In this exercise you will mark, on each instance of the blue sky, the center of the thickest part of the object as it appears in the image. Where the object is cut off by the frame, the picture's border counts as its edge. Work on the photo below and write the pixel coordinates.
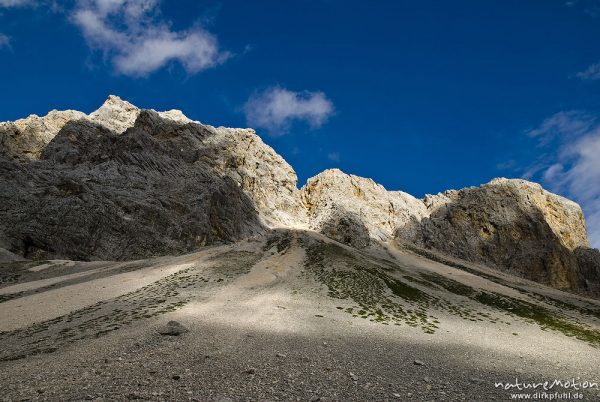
(421, 96)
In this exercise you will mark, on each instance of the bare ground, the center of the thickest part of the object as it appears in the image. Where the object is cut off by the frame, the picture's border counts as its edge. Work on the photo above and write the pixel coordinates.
(288, 316)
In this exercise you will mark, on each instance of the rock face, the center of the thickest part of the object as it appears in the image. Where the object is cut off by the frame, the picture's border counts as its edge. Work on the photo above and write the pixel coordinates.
(380, 211)
(514, 225)
(261, 173)
(344, 226)
(27, 138)
(123, 183)
(164, 185)
(588, 264)
(97, 195)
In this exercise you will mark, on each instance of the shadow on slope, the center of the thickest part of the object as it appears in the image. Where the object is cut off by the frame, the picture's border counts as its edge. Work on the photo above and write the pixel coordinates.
(501, 228)
(366, 285)
(96, 195)
(388, 293)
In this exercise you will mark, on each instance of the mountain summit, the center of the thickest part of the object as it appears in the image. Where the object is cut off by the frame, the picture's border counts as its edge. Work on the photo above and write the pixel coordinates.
(147, 256)
(124, 183)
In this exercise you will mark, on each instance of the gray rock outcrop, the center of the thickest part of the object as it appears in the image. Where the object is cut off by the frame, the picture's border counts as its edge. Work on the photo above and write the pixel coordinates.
(379, 210)
(344, 226)
(26, 138)
(124, 183)
(173, 328)
(98, 195)
(164, 185)
(588, 268)
(514, 225)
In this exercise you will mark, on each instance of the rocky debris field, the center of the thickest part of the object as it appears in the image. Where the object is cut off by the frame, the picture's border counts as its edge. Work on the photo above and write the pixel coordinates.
(289, 315)
(146, 256)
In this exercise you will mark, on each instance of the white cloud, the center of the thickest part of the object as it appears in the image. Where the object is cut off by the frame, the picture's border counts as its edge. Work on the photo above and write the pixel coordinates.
(132, 35)
(334, 156)
(561, 125)
(4, 41)
(276, 108)
(590, 73)
(573, 169)
(16, 3)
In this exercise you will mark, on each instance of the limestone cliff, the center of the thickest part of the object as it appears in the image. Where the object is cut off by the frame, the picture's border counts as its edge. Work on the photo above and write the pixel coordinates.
(26, 138)
(380, 211)
(514, 225)
(123, 183)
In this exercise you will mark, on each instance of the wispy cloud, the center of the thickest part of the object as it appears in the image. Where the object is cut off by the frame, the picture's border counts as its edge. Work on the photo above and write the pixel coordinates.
(572, 123)
(334, 156)
(133, 36)
(276, 108)
(590, 73)
(590, 7)
(16, 3)
(4, 41)
(572, 166)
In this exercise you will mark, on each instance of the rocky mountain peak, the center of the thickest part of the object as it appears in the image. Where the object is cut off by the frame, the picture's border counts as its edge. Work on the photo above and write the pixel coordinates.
(115, 114)
(26, 138)
(128, 183)
(380, 211)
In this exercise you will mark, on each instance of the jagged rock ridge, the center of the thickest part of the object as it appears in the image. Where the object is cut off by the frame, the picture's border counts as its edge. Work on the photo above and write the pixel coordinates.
(123, 183)
(164, 185)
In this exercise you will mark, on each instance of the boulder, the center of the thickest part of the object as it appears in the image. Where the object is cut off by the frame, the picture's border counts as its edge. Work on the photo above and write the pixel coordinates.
(173, 328)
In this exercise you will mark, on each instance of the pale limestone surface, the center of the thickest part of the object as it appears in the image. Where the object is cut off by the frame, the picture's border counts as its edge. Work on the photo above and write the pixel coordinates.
(381, 211)
(514, 225)
(157, 182)
(290, 315)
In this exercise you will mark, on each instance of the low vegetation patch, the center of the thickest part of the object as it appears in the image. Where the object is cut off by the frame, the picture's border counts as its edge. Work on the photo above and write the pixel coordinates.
(382, 298)
(379, 297)
(163, 296)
